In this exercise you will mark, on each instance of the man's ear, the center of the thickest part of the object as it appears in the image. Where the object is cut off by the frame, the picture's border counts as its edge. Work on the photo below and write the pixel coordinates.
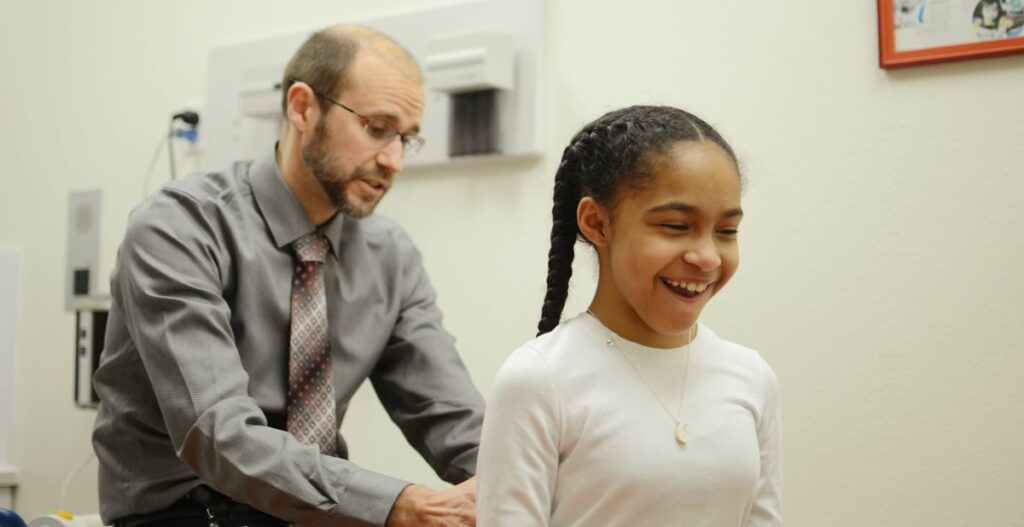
(593, 220)
(301, 107)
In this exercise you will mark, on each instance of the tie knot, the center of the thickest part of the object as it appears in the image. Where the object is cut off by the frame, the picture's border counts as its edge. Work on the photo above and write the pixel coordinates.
(311, 248)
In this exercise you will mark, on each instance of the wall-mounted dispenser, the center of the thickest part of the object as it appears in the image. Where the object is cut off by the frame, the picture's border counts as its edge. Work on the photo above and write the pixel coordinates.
(473, 69)
(501, 40)
(90, 332)
(82, 291)
(81, 272)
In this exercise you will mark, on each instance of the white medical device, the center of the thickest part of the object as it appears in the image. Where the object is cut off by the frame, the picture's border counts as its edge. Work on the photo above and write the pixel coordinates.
(483, 62)
(66, 520)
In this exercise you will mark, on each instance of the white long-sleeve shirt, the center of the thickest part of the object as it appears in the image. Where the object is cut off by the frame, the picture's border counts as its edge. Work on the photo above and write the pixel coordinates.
(574, 437)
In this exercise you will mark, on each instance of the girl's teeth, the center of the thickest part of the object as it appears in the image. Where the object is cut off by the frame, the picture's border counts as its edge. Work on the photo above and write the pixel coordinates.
(691, 287)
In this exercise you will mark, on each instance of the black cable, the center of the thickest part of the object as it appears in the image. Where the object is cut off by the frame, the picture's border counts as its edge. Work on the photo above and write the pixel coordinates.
(152, 165)
(188, 117)
(191, 119)
(170, 150)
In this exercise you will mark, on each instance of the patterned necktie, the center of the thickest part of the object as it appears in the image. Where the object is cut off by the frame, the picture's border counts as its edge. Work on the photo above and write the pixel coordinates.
(310, 386)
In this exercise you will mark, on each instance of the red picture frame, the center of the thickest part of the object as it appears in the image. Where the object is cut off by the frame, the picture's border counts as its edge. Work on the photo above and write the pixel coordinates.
(910, 35)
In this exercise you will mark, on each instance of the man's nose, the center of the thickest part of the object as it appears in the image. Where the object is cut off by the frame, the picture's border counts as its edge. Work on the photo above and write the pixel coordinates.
(391, 155)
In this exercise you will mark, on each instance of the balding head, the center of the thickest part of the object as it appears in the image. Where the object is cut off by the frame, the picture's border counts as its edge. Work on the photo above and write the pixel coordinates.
(324, 59)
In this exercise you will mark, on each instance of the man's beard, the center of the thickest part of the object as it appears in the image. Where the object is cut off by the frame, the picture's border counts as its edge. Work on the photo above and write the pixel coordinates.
(324, 167)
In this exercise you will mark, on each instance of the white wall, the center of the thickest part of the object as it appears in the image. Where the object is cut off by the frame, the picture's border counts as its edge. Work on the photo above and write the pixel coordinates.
(10, 299)
(881, 245)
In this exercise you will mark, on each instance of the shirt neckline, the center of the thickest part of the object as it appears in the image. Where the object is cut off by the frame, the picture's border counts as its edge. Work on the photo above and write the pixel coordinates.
(282, 211)
(648, 353)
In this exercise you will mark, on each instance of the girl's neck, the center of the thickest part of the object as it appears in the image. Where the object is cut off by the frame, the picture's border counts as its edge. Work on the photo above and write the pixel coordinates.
(627, 324)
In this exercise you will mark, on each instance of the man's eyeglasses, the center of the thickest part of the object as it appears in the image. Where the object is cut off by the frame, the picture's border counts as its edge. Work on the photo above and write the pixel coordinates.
(378, 129)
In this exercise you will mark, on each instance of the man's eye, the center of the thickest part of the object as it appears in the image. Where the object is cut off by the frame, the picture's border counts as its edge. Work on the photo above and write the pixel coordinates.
(676, 226)
(379, 130)
(729, 232)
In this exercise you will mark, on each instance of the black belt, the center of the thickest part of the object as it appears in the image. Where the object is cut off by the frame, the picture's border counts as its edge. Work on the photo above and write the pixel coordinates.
(203, 506)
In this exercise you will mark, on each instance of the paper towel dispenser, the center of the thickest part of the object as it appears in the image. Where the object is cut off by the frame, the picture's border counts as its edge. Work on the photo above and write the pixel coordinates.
(471, 62)
(473, 68)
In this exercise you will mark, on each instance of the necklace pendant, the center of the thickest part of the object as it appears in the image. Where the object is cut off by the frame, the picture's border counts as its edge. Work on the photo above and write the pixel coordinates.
(681, 433)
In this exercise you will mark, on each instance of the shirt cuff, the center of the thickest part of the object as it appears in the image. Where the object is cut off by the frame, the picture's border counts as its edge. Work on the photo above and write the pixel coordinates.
(462, 467)
(370, 496)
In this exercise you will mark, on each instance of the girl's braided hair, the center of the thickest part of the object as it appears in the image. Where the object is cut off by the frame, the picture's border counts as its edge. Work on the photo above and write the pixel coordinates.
(608, 154)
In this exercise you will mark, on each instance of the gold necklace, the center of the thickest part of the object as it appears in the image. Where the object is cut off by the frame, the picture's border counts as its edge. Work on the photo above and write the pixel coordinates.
(677, 418)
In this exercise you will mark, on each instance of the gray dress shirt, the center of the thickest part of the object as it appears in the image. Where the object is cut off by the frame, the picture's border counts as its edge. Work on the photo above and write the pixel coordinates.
(193, 376)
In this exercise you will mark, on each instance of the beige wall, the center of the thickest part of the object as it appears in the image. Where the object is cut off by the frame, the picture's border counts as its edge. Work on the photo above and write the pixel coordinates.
(882, 243)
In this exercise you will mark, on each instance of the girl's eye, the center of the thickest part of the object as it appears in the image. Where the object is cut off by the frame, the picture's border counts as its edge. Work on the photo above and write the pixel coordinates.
(729, 232)
(676, 226)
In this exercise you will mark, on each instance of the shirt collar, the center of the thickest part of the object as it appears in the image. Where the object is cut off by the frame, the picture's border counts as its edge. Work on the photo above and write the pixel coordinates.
(282, 212)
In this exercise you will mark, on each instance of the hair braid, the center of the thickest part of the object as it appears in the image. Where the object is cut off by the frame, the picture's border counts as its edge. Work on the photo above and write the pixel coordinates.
(563, 240)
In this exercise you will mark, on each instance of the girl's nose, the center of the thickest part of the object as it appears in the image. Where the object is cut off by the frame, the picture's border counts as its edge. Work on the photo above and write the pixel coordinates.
(704, 256)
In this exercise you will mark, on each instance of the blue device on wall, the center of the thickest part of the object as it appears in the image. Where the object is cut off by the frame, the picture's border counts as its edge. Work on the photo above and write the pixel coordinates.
(9, 518)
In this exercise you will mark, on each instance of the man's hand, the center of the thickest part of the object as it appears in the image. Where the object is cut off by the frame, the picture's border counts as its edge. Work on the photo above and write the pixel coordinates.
(419, 506)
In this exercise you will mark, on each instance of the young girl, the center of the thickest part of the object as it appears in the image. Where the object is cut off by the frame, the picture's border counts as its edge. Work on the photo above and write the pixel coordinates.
(633, 413)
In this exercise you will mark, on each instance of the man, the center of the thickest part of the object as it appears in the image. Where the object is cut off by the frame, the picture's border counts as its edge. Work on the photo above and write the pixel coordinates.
(249, 305)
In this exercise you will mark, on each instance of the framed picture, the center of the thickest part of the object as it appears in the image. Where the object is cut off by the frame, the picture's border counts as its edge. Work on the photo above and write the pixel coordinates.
(913, 32)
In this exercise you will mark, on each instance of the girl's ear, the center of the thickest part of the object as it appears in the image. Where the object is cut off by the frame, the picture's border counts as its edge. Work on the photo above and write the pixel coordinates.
(593, 220)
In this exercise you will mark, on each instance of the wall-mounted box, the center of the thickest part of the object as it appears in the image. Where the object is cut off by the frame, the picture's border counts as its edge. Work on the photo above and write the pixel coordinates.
(90, 334)
(483, 60)
(243, 113)
(81, 271)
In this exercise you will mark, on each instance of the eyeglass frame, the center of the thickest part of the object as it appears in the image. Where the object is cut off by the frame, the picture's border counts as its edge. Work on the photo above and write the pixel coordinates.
(411, 142)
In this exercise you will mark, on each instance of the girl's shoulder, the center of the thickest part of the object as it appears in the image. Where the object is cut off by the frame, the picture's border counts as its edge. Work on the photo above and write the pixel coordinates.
(573, 346)
(727, 348)
(571, 340)
(740, 356)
